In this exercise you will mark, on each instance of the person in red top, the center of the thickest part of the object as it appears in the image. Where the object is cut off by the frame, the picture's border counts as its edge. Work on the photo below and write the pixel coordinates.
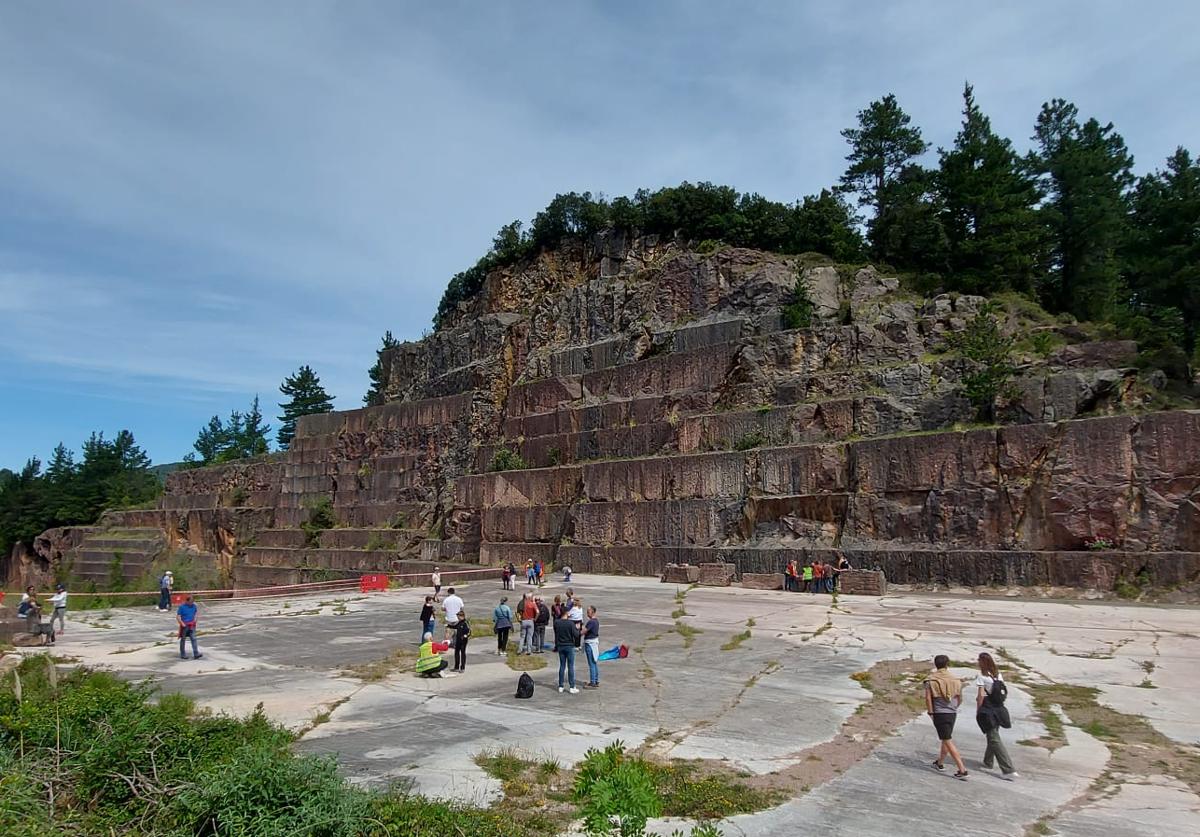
(818, 576)
(528, 611)
(790, 580)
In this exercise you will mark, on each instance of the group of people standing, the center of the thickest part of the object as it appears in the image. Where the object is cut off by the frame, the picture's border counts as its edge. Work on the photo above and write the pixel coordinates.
(574, 628)
(817, 576)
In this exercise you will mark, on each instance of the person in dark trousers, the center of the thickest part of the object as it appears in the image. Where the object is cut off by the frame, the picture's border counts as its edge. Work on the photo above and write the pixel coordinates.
(165, 583)
(943, 694)
(186, 617)
(462, 632)
(427, 620)
(502, 622)
(991, 714)
(591, 647)
(566, 639)
(539, 626)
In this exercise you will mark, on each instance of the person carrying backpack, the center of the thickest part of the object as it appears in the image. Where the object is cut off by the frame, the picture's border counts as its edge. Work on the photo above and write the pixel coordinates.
(539, 626)
(991, 714)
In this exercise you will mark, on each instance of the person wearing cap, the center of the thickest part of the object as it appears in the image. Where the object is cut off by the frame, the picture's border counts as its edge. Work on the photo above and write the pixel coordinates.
(164, 590)
(59, 600)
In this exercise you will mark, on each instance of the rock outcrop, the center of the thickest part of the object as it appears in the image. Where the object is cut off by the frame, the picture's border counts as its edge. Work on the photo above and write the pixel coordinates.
(647, 408)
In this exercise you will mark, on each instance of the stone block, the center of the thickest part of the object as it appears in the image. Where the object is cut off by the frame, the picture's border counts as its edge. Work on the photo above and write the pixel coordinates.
(680, 574)
(717, 575)
(762, 581)
(862, 583)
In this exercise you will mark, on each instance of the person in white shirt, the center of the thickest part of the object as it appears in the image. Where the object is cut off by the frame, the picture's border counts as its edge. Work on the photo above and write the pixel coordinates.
(59, 600)
(436, 580)
(452, 606)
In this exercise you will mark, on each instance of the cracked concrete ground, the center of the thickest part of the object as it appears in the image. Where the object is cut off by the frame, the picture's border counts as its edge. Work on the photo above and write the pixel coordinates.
(757, 706)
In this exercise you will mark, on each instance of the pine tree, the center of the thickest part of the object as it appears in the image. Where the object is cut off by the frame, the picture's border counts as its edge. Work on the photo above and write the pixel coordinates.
(883, 152)
(211, 441)
(305, 397)
(375, 396)
(1163, 254)
(254, 432)
(825, 224)
(993, 234)
(1085, 172)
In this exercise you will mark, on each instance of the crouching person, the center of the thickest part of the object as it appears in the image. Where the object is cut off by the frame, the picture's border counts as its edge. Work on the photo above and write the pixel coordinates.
(429, 660)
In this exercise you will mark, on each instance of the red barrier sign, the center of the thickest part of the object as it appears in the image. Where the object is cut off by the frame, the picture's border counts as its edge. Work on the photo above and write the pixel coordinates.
(371, 583)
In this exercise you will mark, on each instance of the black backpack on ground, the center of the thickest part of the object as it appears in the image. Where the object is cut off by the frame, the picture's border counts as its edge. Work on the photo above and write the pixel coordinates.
(525, 687)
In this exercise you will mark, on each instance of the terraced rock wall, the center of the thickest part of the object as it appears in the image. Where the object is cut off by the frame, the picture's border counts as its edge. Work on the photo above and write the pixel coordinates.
(649, 408)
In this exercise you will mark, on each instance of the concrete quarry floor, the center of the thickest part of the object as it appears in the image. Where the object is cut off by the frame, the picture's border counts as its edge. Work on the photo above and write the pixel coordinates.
(758, 707)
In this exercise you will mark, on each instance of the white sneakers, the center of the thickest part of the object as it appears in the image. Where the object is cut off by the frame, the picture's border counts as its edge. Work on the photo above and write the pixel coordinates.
(574, 691)
(560, 690)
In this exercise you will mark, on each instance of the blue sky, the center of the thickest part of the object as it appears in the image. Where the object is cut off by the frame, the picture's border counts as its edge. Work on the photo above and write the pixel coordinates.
(197, 198)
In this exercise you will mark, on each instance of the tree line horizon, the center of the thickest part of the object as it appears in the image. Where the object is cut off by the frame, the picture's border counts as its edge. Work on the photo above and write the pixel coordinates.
(1066, 224)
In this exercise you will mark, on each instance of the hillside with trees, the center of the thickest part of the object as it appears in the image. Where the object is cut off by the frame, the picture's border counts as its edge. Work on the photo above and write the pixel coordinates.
(1066, 224)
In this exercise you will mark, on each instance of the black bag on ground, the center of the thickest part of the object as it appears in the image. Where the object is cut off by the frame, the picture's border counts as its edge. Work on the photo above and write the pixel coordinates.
(525, 687)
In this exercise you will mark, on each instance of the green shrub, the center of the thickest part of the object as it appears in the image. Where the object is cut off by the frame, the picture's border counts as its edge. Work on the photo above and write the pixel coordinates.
(754, 439)
(982, 342)
(615, 793)
(129, 765)
(319, 518)
(506, 460)
(799, 312)
(708, 246)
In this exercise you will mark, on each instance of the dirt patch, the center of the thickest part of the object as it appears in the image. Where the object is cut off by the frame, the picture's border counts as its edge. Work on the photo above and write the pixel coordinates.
(894, 701)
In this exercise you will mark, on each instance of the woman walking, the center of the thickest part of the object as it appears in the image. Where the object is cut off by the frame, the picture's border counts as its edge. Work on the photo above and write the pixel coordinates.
(943, 694)
(591, 646)
(462, 632)
(502, 622)
(991, 714)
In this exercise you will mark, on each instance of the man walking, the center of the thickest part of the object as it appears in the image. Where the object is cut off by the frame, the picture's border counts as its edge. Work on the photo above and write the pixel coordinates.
(436, 580)
(186, 617)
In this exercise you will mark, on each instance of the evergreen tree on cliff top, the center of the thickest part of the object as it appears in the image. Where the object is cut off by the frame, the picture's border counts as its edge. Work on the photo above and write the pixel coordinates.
(994, 235)
(306, 396)
(1086, 172)
(374, 396)
(884, 174)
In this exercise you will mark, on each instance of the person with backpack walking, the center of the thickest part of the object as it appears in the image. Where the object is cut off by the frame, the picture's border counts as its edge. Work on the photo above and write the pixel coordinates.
(539, 625)
(991, 714)
(462, 632)
(566, 640)
(502, 622)
(591, 647)
(943, 694)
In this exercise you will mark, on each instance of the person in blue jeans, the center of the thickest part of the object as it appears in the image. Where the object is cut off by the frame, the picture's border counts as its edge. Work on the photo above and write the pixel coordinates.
(186, 616)
(566, 640)
(591, 646)
(427, 618)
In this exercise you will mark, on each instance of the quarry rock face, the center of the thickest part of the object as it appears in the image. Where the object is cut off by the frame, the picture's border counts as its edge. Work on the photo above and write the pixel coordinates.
(630, 405)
